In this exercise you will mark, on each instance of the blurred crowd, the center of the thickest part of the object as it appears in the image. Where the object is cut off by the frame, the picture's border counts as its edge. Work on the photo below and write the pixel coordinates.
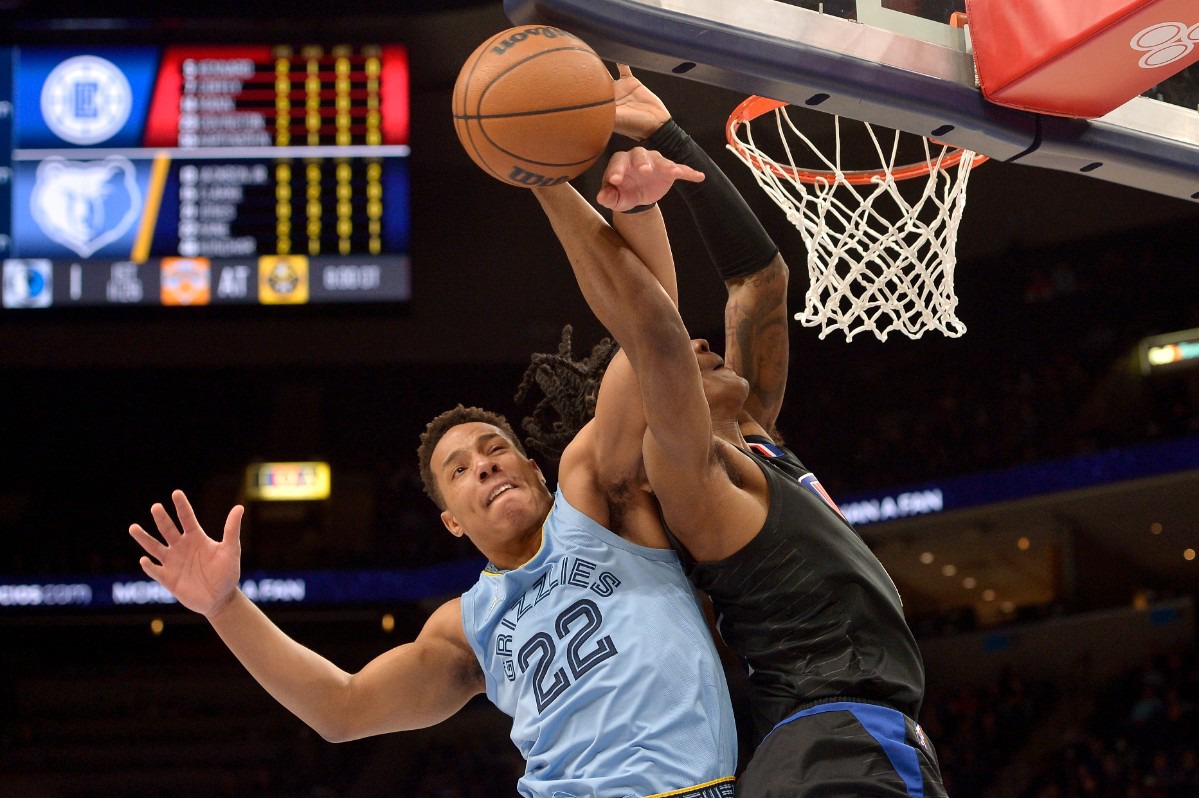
(1142, 741)
(978, 729)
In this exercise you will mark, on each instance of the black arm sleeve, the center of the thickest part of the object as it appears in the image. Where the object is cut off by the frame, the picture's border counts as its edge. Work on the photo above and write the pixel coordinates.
(732, 234)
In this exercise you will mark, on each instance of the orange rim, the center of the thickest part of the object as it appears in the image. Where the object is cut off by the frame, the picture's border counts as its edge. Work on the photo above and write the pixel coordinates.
(753, 107)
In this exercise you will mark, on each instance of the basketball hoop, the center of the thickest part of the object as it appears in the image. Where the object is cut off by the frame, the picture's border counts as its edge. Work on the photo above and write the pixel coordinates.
(877, 260)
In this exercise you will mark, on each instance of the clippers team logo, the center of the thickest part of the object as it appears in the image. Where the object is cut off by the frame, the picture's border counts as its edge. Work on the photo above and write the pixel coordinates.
(85, 205)
(27, 284)
(86, 100)
(186, 281)
(283, 280)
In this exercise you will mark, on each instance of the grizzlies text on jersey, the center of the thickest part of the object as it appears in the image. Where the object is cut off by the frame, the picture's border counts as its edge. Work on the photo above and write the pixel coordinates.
(599, 651)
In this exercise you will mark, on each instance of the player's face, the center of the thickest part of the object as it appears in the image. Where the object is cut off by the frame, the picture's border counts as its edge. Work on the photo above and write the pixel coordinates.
(725, 389)
(493, 494)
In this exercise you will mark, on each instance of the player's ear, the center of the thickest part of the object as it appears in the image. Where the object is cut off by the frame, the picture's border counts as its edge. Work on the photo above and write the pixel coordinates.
(537, 468)
(451, 523)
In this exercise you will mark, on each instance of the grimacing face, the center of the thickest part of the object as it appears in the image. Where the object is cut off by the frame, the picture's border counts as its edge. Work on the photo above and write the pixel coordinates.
(491, 490)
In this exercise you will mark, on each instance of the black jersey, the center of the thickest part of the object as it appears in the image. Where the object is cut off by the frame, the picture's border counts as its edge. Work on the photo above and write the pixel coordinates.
(808, 607)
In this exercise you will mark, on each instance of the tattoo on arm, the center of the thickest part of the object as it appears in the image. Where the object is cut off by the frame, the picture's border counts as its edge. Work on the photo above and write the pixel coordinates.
(756, 338)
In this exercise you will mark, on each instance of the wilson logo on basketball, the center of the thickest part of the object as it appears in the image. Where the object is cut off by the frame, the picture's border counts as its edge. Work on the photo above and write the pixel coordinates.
(534, 106)
(526, 178)
(517, 38)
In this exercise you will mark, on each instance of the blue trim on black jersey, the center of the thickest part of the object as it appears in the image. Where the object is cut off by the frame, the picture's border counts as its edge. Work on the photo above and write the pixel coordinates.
(888, 727)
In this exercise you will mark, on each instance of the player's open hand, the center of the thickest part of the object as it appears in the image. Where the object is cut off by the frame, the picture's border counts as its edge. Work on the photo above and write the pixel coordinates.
(639, 112)
(200, 572)
(641, 177)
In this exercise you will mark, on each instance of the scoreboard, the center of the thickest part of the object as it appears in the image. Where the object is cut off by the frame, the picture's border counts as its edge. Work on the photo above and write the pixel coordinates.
(204, 175)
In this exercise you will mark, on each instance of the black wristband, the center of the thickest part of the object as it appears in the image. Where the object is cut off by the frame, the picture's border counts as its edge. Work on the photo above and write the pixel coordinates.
(641, 208)
(736, 241)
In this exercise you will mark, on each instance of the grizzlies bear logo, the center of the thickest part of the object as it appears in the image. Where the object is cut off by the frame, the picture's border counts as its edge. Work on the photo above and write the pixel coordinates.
(85, 205)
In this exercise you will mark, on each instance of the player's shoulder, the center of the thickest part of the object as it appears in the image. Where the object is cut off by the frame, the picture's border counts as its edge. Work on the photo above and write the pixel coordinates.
(579, 460)
(444, 641)
(446, 622)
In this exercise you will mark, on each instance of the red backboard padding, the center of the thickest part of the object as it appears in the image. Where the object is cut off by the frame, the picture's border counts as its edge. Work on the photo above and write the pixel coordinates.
(1079, 58)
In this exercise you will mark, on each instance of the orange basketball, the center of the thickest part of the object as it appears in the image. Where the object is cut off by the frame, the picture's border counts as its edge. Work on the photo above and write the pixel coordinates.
(534, 106)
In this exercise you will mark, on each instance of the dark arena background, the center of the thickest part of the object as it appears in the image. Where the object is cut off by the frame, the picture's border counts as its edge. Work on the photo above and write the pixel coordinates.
(1032, 487)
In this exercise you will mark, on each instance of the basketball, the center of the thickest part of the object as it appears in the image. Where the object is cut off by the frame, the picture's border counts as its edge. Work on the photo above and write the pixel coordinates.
(534, 106)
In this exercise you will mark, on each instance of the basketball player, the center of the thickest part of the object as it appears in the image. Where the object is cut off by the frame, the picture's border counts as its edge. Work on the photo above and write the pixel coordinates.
(583, 627)
(835, 677)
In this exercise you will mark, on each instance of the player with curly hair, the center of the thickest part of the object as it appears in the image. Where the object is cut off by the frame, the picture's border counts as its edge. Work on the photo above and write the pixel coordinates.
(835, 679)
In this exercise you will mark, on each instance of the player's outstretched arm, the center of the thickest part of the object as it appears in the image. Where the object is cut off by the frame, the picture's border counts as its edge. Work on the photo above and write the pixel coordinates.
(409, 687)
(631, 303)
(691, 481)
(747, 260)
(756, 340)
(619, 423)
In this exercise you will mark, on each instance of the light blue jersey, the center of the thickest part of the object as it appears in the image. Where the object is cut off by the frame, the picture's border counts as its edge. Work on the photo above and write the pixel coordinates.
(598, 650)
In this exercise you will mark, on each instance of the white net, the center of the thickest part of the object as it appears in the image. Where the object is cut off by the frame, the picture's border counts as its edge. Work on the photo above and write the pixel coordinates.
(880, 257)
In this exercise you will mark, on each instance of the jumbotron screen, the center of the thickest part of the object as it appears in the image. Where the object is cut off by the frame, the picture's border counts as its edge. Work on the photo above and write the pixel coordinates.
(188, 175)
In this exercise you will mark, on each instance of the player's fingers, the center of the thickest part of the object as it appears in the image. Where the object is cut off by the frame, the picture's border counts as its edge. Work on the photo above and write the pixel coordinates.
(187, 517)
(233, 525)
(152, 569)
(624, 71)
(162, 520)
(689, 174)
(607, 196)
(618, 164)
(151, 544)
(659, 160)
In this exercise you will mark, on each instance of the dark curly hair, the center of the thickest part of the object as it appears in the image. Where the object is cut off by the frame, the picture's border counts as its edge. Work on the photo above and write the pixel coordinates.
(436, 429)
(570, 388)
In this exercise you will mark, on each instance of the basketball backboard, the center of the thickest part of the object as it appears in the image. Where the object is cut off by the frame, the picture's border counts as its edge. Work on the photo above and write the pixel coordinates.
(895, 63)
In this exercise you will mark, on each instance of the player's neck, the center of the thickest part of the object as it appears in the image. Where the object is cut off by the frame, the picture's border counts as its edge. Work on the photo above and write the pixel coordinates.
(513, 555)
(750, 426)
(729, 431)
